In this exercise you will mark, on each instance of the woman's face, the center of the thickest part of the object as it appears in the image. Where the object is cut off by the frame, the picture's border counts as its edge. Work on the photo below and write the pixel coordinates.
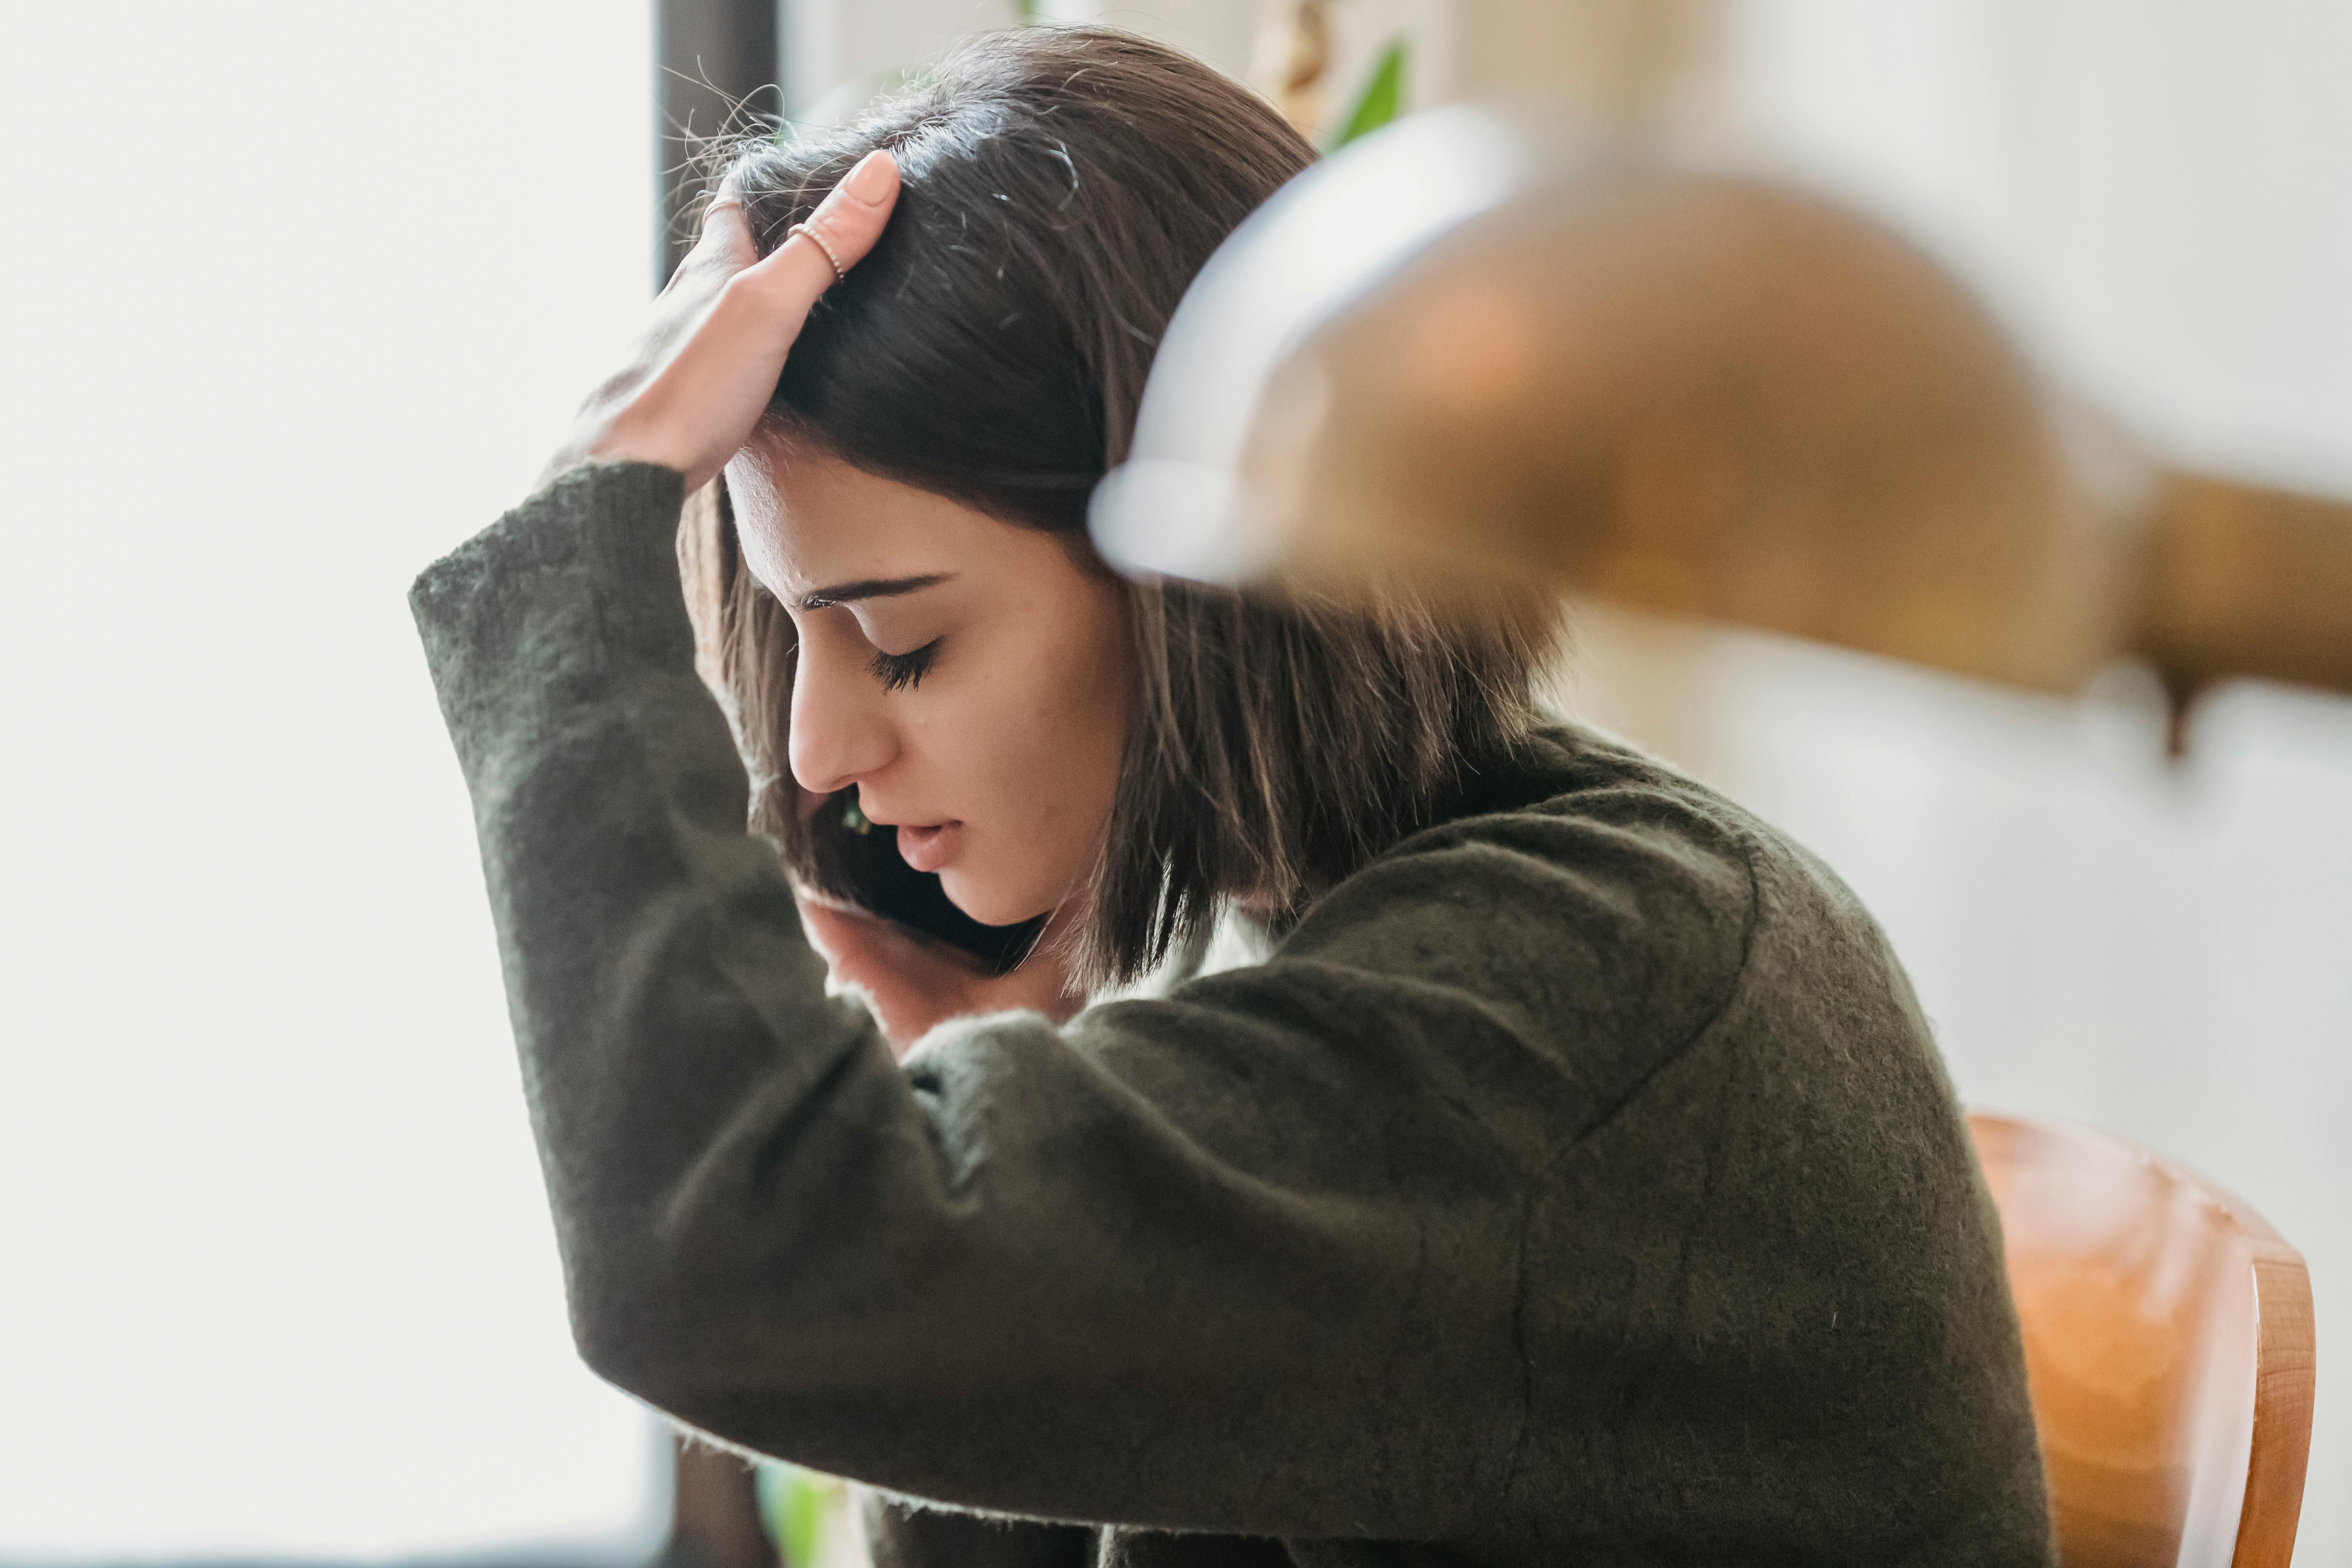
(966, 675)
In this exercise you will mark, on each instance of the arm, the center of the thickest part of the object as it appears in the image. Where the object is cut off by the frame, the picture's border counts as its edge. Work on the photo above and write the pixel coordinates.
(1211, 1262)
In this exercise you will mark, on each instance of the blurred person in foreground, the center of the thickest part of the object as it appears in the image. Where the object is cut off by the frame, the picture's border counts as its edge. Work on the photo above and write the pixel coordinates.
(1570, 1177)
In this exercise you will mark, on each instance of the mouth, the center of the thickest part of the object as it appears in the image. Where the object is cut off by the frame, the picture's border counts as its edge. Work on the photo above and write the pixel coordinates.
(929, 847)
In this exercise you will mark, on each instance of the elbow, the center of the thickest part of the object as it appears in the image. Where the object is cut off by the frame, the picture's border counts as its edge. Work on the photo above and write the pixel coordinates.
(614, 1354)
(660, 1314)
(629, 1329)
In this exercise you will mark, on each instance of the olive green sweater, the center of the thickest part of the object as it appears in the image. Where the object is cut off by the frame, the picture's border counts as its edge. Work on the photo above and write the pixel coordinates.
(1577, 1182)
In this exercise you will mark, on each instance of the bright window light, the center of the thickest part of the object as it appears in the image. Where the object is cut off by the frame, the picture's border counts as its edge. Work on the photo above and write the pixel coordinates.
(298, 296)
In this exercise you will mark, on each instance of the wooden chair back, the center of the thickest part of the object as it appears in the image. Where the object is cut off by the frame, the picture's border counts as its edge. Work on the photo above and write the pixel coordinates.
(2169, 1340)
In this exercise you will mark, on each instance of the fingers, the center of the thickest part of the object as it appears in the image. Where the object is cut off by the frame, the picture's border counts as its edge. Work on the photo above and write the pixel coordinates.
(726, 231)
(727, 322)
(849, 219)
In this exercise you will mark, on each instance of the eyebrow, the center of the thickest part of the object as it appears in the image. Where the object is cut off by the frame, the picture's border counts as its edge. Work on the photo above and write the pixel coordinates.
(870, 588)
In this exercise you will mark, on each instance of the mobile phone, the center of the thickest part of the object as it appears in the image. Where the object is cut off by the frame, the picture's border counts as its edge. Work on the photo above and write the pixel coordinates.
(860, 862)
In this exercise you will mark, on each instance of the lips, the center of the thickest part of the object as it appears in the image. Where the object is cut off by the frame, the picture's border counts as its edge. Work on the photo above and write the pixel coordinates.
(929, 849)
(925, 846)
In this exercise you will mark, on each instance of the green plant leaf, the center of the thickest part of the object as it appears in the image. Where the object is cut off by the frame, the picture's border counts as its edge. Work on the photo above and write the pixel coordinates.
(1382, 100)
(792, 1507)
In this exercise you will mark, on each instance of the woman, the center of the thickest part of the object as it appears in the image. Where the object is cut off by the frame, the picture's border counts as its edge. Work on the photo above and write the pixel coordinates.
(1573, 1180)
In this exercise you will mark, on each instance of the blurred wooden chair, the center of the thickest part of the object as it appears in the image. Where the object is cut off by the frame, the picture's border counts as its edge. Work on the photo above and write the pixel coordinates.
(2170, 1343)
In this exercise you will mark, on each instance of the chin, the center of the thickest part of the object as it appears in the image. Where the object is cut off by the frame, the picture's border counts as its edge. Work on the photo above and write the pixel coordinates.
(987, 901)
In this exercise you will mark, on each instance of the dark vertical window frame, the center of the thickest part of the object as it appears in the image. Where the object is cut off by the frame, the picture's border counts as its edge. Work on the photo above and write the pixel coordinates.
(709, 58)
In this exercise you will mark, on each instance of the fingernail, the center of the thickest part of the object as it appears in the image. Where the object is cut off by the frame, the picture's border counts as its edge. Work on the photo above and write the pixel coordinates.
(870, 178)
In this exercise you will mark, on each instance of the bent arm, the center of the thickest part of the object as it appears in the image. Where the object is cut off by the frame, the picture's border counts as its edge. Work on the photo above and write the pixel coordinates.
(1244, 1260)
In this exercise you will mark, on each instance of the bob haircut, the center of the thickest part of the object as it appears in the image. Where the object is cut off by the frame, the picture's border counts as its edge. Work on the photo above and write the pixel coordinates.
(1060, 189)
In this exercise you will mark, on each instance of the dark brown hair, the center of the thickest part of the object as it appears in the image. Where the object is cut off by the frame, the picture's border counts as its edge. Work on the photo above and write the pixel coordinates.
(1060, 188)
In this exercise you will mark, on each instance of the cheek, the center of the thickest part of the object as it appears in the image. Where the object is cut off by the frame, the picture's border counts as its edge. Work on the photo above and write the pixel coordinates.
(1043, 749)
(1077, 721)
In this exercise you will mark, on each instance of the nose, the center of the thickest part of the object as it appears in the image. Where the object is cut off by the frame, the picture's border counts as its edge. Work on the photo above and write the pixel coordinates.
(841, 729)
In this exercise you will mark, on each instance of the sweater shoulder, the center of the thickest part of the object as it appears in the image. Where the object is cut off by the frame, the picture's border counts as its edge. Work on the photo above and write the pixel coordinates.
(1572, 848)
(1606, 911)
(1604, 827)
(1582, 918)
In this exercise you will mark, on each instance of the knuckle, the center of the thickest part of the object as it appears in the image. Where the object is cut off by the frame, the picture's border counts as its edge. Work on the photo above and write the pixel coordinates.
(747, 287)
(763, 287)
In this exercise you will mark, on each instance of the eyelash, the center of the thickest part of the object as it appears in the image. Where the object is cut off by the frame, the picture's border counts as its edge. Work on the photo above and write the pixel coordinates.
(897, 671)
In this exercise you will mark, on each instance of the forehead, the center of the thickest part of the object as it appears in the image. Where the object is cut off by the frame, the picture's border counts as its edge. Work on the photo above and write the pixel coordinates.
(807, 520)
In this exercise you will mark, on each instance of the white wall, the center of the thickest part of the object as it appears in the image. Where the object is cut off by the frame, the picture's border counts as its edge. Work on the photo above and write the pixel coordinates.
(297, 297)
(830, 45)
(1219, 31)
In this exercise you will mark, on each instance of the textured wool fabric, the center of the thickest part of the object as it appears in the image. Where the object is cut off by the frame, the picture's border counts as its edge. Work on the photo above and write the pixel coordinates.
(1575, 1183)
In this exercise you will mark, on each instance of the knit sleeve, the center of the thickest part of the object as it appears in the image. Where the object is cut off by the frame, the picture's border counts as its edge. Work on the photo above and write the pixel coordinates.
(1244, 1258)
(900, 1535)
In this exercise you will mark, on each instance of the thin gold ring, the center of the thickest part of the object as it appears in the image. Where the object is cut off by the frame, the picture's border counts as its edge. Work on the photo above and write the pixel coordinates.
(818, 239)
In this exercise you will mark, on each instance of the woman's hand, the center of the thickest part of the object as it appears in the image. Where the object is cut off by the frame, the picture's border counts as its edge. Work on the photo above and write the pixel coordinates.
(702, 375)
(913, 982)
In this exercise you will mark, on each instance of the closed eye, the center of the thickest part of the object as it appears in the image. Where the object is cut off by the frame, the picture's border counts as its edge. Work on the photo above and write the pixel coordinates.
(897, 671)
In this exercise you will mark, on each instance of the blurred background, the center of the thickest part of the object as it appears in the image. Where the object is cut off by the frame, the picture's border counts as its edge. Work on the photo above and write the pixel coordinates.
(298, 296)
